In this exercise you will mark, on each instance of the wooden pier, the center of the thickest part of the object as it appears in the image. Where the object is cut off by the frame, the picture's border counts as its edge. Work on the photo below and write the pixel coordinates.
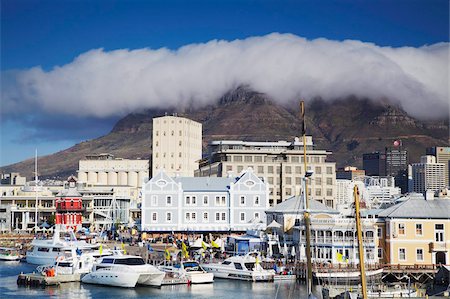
(39, 280)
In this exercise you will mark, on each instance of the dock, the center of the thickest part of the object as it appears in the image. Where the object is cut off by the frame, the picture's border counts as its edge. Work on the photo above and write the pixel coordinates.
(39, 280)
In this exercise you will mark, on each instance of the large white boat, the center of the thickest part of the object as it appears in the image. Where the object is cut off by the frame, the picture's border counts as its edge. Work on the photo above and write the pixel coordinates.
(47, 251)
(191, 270)
(241, 267)
(122, 270)
(9, 254)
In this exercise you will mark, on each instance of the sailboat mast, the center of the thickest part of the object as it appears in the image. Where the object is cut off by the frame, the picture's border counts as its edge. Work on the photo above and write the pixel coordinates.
(36, 192)
(360, 243)
(306, 210)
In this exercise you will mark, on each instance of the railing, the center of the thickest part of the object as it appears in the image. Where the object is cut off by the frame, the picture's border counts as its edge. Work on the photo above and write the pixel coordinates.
(409, 267)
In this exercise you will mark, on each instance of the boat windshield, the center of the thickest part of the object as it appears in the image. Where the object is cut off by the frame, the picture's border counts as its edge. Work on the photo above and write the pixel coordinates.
(226, 263)
(191, 266)
(132, 261)
(249, 266)
(238, 266)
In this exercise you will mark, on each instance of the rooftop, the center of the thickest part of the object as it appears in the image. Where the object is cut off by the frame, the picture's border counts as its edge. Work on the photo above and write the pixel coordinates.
(419, 208)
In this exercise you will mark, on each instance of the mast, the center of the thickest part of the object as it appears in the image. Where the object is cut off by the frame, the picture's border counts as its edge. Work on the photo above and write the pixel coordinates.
(360, 243)
(306, 210)
(36, 192)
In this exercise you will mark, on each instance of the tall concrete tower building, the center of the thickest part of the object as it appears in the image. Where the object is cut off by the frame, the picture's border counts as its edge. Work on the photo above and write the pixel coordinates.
(176, 145)
(442, 154)
(428, 175)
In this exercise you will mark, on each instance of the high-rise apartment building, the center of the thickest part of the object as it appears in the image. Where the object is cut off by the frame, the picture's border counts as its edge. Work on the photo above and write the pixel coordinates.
(397, 165)
(428, 175)
(374, 164)
(176, 145)
(280, 163)
(442, 155)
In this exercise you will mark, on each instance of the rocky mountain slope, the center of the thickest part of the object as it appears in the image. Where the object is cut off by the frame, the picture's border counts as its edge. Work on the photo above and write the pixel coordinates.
(347, 127)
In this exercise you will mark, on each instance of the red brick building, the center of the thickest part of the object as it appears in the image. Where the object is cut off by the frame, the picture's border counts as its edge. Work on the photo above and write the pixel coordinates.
(69, 207)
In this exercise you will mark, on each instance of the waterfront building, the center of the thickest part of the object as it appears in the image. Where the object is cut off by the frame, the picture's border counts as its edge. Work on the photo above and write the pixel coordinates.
(332, 235)
(416, 231)
(442, 154)
(13, 178)
(106, 170)
(203, 204)
(176, 145)
(69, 207)
(428, 175)
(279, 163)
(374, 164)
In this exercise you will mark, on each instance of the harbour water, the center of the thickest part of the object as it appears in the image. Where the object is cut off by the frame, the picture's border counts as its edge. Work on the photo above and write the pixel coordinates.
(221, 288)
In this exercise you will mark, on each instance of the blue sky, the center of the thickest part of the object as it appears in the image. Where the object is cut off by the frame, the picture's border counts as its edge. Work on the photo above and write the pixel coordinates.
(53, 33)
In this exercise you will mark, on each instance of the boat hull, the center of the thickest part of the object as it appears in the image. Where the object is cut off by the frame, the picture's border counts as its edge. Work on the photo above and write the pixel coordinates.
(345, 276)
(151, 279)
(200, 277)
(256, 276)
(112, 278)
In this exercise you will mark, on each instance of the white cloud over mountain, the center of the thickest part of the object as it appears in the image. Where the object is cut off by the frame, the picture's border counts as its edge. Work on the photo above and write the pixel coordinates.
(102, 83)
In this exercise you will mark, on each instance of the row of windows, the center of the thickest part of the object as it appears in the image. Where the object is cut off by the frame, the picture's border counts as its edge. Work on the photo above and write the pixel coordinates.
(402, 254)
(288, 181)
(276, 169)
(438, 231)
(192, 216)
(192, 200)
(293, 159)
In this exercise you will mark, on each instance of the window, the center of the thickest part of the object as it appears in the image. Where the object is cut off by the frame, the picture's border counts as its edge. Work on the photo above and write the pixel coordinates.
(169, 200)
(318, 170)
(318, 181)
(194, 200)
(318, 192)
(217, 216)
(168, 217)
(380, 253)
(242, 217)
(179, 143)
(329, 181)
(294, 159)
(329, 170)
(288, 181)
(188, 200)
(242, 200)
(418, 229)
(401, 229)
(223, 217)
(419, 254)
(154, 217)
(205, 216)
(439, 232)
(379, 232)
(270, 180)
(256, 200)
(223, 201)
(298, 180)
(188, 216)
(288, 169)
(256, 215)
(237, 158)
(217, 200)
(402, 254)
(248, 159)
(258, 159)
(240, 168)
(330, 203)
(270, 169)
(194, 216)
(288, 191)
(329, 192)
(205, 199)
(157, 133)
(298, 169)
(229, 168)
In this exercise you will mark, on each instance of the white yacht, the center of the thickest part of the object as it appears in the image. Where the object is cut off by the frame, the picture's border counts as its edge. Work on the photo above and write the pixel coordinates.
(191, 270)
(9, 254)
(124, 271)
(47, 251)
(239, 267)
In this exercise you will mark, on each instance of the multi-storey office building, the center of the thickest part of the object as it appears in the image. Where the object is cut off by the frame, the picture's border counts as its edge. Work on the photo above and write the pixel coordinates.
(374, 164)
(428, 175)
(442, 155)
(280, 163)
(105, 170)
(397, 166)
(176, 145)
(416, 231)
(203, 204)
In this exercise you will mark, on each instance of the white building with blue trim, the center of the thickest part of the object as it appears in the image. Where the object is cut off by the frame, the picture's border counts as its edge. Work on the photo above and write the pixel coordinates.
(204, 204)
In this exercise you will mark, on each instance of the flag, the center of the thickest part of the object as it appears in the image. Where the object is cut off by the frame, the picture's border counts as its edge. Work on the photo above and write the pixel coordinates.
(184, 250)
(100, 249)
(215, 245)
(167, 254)
(204, 245)
(256, 260)
(123, 248)
(150, 248)
(339, 257)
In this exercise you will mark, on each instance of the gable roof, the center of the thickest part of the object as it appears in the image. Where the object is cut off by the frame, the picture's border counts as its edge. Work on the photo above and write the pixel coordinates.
(419, 208)
(295, 204)
(204, 183)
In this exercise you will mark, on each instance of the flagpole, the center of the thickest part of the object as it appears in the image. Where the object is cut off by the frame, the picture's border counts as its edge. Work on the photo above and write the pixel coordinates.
(36, 192)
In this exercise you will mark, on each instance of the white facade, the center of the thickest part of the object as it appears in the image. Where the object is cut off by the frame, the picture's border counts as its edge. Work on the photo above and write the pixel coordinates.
(203, 204)
(106, 170)
(279, 163)
(428, 175)
(176, 145)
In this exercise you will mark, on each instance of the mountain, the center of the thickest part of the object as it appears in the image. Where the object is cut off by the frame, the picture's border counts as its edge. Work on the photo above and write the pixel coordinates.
(348, 127)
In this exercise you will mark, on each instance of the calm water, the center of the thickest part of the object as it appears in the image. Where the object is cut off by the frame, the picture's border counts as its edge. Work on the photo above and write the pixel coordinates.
(221, 288)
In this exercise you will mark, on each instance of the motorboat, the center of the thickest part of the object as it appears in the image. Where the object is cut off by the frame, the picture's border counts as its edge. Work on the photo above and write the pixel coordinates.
(78, 265)
(47, 251)
(191, 270)
(333, 276)
(246, 267)
(121, 271)
(9, 254)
